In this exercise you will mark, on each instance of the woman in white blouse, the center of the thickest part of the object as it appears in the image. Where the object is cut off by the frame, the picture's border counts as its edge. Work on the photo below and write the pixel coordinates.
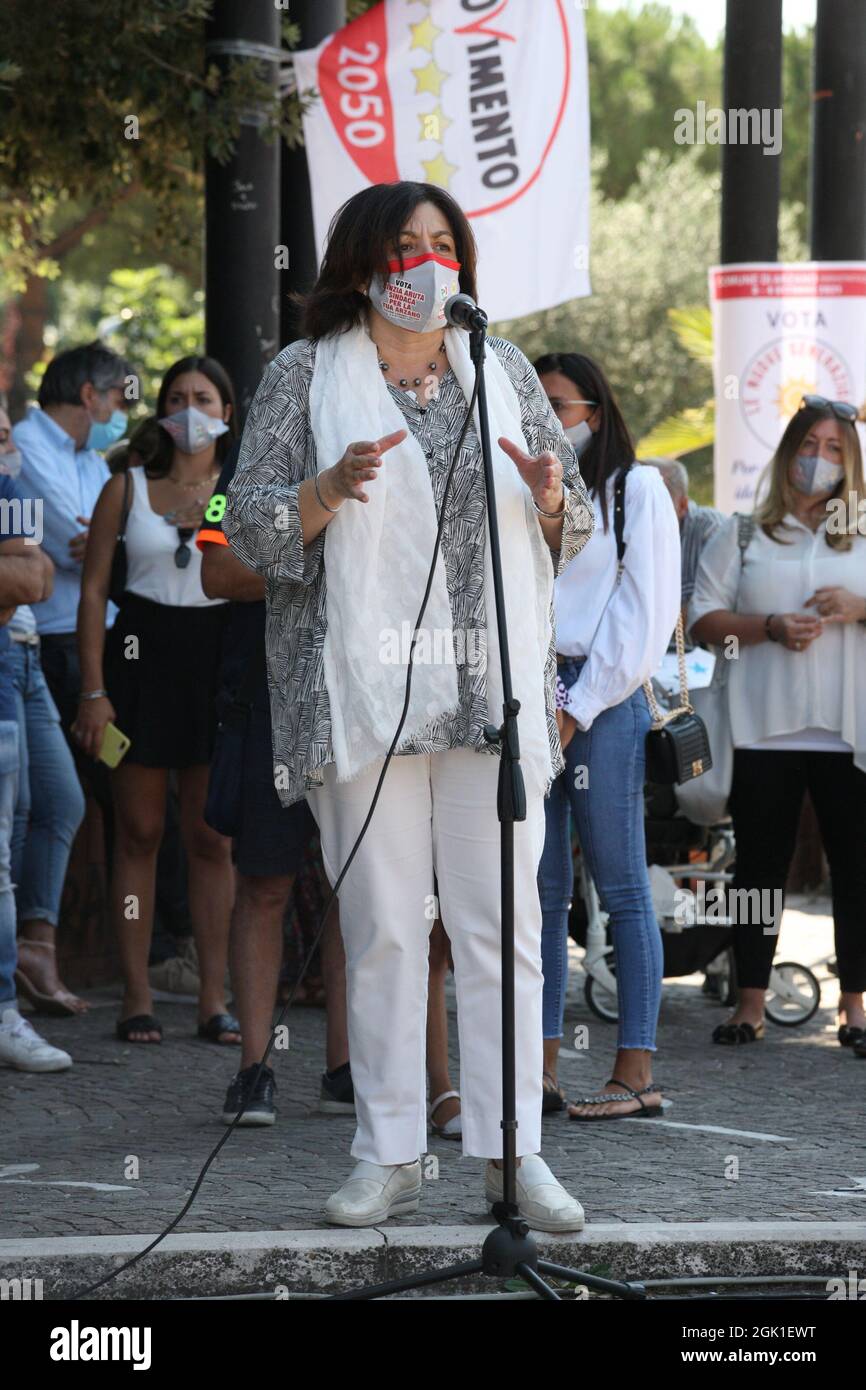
(792, 607)
(612, 630)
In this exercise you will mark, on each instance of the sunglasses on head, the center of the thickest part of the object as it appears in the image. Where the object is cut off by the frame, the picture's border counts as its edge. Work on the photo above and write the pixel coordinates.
(183, 553)
(843, 410)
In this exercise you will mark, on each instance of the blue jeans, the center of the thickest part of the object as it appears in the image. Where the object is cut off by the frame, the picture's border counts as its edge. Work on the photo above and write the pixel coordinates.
(50, 801)
(608, 808)
(8, 793)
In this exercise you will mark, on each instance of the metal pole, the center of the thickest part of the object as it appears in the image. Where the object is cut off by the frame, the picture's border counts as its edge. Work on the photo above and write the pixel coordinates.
(242, 212)
(317, 19)
(838, 155)
(751, 178)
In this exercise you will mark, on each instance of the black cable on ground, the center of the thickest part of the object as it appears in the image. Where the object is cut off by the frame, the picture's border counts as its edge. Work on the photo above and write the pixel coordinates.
(100, 1283)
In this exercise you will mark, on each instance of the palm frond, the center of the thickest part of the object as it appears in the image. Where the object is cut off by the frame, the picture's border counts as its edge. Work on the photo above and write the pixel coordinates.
(680, 434)
(694, 329)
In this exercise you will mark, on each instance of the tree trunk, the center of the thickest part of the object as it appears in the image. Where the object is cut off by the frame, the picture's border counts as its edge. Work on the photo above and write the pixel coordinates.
(29, 343)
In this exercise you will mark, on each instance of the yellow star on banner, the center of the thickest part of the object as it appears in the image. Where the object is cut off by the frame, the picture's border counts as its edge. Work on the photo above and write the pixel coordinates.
(434, 123)
(429, 78)
(425, 34)
(438, 170)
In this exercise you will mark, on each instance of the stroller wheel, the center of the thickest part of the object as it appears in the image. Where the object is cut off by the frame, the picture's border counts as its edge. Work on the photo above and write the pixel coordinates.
(793, 994)
(603, 1002)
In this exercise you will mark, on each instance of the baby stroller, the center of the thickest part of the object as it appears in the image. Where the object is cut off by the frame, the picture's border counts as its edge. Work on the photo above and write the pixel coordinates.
(678, 852)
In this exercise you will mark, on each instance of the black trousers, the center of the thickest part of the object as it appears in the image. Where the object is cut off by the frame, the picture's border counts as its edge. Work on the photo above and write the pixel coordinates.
(766, 799)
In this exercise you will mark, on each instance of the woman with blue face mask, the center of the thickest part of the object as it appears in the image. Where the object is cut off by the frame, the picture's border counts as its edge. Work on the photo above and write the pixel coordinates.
(613, 624)
(154, 676)
(794, 600)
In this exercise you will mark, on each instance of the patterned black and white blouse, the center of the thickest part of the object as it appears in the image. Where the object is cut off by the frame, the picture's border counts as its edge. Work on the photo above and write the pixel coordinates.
(262, 523)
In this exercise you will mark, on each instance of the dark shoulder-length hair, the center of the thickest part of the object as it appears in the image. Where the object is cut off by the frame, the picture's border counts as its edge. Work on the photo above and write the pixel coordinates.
(612, 444)
(363, 237)
(154, 446)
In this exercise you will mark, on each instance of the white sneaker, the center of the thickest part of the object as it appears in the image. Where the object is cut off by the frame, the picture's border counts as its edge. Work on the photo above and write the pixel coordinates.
(21, 1046)
(541, 1200)
(373, 1193)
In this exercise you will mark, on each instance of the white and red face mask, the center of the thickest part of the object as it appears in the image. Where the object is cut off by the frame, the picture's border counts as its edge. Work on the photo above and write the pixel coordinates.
(415, 296)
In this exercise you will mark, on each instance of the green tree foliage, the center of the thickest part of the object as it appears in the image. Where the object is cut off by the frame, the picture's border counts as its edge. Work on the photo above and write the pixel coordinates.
(651, 249)
(644, 65)
(796, 132)
(100, 99)
(151, 316)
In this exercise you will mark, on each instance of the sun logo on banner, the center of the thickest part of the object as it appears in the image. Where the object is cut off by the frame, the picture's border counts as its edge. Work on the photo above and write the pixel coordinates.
(790, 393)
(774, 382)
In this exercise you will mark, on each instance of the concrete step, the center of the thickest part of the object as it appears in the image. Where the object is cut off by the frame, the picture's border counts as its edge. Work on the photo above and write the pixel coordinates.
(287, 1263)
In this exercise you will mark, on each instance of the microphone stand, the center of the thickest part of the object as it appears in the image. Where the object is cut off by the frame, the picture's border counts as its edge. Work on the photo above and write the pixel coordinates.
(509, 1250)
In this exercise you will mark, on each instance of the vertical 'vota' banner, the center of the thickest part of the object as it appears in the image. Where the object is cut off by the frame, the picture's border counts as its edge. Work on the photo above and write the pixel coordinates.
(486, 98)
(780, 332)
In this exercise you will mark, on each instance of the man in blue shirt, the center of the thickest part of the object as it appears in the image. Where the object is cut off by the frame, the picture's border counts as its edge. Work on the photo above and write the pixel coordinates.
(24, 578)
(83, 400)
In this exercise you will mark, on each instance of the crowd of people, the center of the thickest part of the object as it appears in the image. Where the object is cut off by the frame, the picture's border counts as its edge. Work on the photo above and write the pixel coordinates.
(192, 636)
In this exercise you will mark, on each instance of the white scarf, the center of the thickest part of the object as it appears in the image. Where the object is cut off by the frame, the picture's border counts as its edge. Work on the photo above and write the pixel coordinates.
(377, 559)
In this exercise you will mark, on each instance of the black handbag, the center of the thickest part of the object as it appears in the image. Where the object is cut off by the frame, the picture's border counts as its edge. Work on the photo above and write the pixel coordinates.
(117, 578)
(224, 801)
(677, 745)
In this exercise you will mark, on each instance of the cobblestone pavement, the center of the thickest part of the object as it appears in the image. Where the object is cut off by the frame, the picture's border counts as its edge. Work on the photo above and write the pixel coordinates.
(792, 1106)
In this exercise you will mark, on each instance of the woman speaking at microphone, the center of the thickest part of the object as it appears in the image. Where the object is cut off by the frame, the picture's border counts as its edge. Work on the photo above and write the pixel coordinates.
(336, 500)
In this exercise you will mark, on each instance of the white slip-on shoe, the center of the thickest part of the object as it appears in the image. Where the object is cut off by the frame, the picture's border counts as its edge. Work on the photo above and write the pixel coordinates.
(21, 1046)
(373, 1193)
(541, 1200)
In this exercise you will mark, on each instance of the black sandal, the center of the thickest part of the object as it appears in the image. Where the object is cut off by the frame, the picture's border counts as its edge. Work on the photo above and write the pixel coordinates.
(139, 1023)
(646, 1112)
(850, 1035)
(218, 1024)
(734, 1033)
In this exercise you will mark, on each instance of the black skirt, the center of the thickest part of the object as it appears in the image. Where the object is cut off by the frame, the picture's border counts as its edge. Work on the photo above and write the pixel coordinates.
(161, 673)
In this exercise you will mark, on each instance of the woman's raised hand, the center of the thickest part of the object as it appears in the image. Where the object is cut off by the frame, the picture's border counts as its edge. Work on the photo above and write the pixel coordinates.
(359, 464)
(542, 475)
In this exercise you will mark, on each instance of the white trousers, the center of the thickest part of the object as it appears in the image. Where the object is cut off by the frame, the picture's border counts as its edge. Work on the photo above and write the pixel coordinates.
(435, 812)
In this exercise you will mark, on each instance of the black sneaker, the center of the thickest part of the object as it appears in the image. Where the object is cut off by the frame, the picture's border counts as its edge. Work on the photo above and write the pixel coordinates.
(259, 1108)
(337, 1096)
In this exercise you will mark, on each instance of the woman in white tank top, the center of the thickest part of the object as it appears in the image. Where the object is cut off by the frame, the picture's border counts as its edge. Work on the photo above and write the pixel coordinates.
(154, 675)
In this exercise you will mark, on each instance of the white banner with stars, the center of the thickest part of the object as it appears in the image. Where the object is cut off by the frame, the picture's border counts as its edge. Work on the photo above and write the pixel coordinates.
(486, 98)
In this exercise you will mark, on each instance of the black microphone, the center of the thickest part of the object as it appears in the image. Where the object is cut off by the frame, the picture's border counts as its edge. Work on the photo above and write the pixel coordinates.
(461, 311)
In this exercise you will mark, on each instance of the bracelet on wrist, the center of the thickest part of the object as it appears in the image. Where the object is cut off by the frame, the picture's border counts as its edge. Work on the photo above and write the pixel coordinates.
(767, 629)
(92, 695)
(551, 516)
(322, 503)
